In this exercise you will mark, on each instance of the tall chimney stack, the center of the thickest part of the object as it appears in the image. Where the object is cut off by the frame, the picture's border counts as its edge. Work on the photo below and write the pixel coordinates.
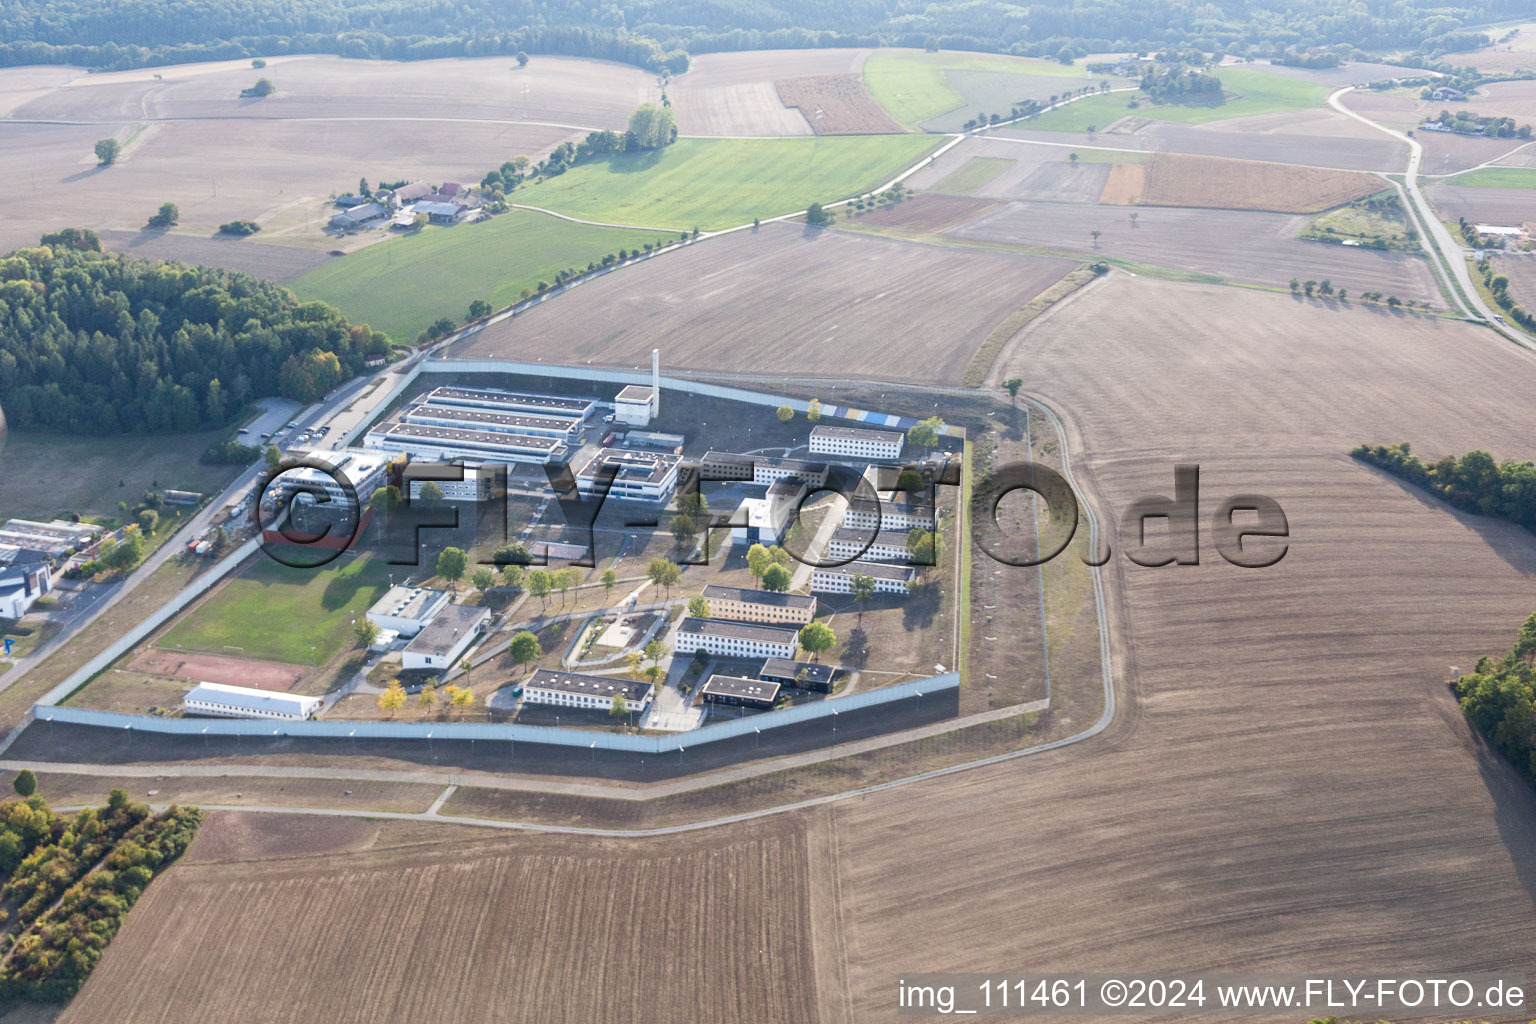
(655, 381)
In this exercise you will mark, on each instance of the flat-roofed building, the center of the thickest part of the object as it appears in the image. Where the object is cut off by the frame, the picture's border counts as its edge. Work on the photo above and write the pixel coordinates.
(647, 477)
(885, 546)
(445, 443)
(743, 604)
(838, 579)
(477, 484)
(22, 583)
(636, 405)
(652, 439)
(799, 675)
(871, 514)
(765, 520)
(55, 538)
(444, 639)
(734, 639)
(494, 421)
(741, 692)
(216, 700)
(513, 401)
(761, 470)
(580, 690)
(407, 609)
(855, 442)
(363, 470)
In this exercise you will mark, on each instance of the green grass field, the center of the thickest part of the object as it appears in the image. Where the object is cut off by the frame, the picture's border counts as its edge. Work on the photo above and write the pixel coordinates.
(719, 183)
(1256, 92)
(971, 175)
(912, 87)
(401, 285)
(272, 611)
(1496, 177)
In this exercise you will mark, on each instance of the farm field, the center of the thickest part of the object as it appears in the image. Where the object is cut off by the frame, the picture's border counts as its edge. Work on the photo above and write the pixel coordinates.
(1481, 205)
(1174, 179)
(969, 177)
(1007, 168)
(1249, 93)
(1518, 54)
(281, 263)
(995, 92)
(719, 183)
(784, 299)
(404, 283)
(273, 611)
(916, 86)
(1348, 73)
(1495, 177)
(1236, 245)
(338, 936)
(732, 94)
(836, 104)
(1403, 842)
(1521, 271)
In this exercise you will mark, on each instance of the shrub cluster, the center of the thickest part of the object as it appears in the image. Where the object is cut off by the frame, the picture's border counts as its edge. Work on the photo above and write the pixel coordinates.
(1473, 483)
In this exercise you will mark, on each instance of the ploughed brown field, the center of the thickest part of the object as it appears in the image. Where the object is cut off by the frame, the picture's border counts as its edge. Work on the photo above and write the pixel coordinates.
(1511, 207)
(836, 104)
(1175, 179)
(784, 300)
(733, 93)
(1521, 271)
(718, 926)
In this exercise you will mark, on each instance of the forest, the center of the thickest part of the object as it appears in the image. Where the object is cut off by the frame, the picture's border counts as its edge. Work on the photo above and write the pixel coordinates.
(1498, 699)
(659, 36)
(97, 343)
(1473, 483)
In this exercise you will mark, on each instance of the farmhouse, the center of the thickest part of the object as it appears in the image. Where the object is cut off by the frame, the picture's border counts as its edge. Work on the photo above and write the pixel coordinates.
(447, 443)
(801, 675)
(357, 216)
(742, 604)
(407, 609)
(216, 700)
(741, 692)
(56, 537)
(734, 639)
(649, 477)
(856, 442)
(407, 194)
(20, 584)
(577, 689)
(494, 421)
(512, 401)
(838, 579)
(445, 638)
(439, 213)
(885, 546)
(869, 514)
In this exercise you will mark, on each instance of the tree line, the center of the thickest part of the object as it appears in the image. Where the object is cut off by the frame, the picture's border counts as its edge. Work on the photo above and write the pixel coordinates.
(98, 343)
(660, 36)
(1472, 483)
(1499, 698)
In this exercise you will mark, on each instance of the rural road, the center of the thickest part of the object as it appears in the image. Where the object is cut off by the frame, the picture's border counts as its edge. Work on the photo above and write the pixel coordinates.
(1454, 255)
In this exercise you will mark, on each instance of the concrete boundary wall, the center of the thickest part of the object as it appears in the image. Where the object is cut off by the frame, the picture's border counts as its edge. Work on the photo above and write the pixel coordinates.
(913, 691)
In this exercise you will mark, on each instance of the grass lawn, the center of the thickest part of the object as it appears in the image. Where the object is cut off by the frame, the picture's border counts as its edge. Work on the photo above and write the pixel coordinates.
(284, 614)
(1496, 177)
(1249, 93)
(912, 86)
(720, 183)
(90, 475)
(971, 175)
(401, 285)
(1359, 221)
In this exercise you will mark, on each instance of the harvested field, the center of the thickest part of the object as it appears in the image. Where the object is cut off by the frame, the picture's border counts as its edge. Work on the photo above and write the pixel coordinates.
(927, 213)
(733, 93)
(1180, 180)
(1235, 245)
(974, 174)
(214, 668)
(281, 263)
(822, 302)
(1348, 73)
(1124, 185)
(1499, 60)
(836, 104)
(1022, 162)
(995, 92)
(469, 932)
(1511, 206)
(1521, 271)
(1066, 182)
(1251, 807)
(1446, 153)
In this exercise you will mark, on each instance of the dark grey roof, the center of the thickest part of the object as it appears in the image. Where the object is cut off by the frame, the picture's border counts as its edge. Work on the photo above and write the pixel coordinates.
(904, 508)
(576, 406)
(647, 467)
(764, 597)
(890, 538)
(855, 433)
(427, 432)
(784, 668)
(739, 630)
(742, 687)
(874, 570)
(447, 628)
(470, 414)
(593, 686)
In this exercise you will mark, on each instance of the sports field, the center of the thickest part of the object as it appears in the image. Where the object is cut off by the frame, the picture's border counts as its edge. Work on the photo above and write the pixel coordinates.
(719, 183)
(915, 86)
(1249, 93)
(403, 284)
(272, 611)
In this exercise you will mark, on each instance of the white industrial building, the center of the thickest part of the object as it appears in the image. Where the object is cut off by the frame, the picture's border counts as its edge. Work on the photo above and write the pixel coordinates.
(638, 404)
(477, 485)
(765, 520)
(838, 579)
(648, 477)
(216, 700)
(444, 639)
(871, 514)
(20, 585)
(361, 468)
(513, 401)
(763, 471)
(734, 639)
(885, 546)
(856, 442)
(494, 421)
(447, 443)
(53, 538)
(407, 609)
(580, 690)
